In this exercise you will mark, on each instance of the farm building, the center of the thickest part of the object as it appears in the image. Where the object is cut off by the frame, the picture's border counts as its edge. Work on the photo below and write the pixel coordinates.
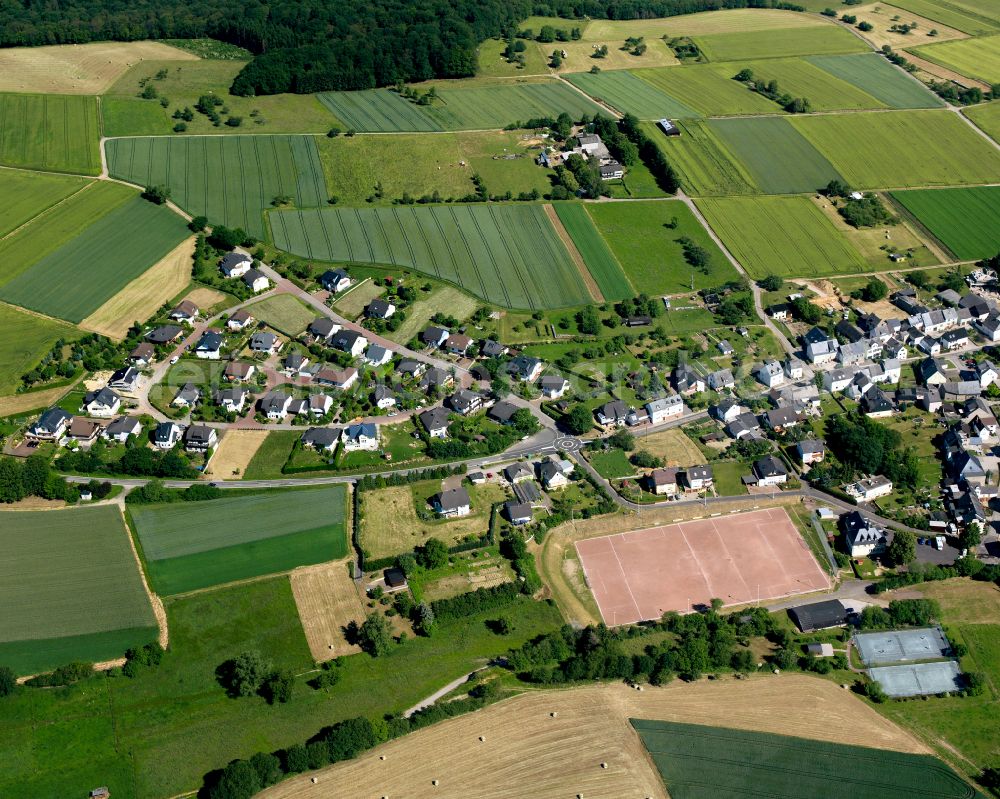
(819, 615)
(668, 128)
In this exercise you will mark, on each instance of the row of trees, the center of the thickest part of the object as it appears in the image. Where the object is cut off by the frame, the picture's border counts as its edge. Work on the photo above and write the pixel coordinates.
(33, 477)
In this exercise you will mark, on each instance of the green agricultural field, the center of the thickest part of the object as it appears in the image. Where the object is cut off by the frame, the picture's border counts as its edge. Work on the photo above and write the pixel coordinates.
(739, 46)
(229, 179)
(902, 149)
(24, 339)
(824, 90)
(977, 58)
(786, 236)
(48, 232)
(507, 254)
(649, 250)
(26, 195)
(777, 156)
(98, 262)
(631, 95)
(966, 221)
(704, 164)
(378, 111)
(284, 313)
(987, 117)
(191, 545)
(52, 132)
(54, 562)
(708, 89)
(596, 254)
(699, 762)
(873, 74)
(975, 17)
(699, 24)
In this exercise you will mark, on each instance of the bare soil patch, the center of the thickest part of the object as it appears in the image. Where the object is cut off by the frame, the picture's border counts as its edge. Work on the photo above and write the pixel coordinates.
(205, 298)
(235, 451)
(328, 600)
(78, 68)
(140, 298)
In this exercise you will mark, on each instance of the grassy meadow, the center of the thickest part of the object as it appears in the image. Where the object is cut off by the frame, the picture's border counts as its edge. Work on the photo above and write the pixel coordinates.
(987, 117)
(630, 94)
(977, 58)
(825, 90)
(966, 221)
(708, 89)
(56, 133)
(598, 257)
(24, 339)
(740, 45)
(285, 313)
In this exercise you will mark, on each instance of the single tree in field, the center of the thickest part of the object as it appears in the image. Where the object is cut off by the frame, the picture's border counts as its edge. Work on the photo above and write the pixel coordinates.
(374, 636)
(7, 681)
(245, 673)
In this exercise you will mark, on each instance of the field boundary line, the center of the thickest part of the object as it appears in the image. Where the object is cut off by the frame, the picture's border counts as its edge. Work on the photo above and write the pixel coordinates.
(588, 278)
(159, 612)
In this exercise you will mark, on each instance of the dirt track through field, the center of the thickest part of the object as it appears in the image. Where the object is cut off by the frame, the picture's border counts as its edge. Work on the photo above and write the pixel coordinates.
(530, 753)
(327, 600)
(588, 279)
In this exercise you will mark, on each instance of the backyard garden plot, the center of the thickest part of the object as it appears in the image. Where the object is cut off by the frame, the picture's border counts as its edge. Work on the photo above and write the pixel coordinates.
(801, 78)
(786, 236)
(975, 17)
(600, 261)
(966, 221)
(644, 237)
(977, 58)
(70, 588)
(24, 339)
(820, 40)
(26, 195)
(52, 132)
(709, 89)
(871, 73)
(704, 164)
(191, 545)
(284, 313)
(631, 95)
(698, 762)
(507, 254)
(902, 149)
(78, 278)
(779, 158)
(229, 179)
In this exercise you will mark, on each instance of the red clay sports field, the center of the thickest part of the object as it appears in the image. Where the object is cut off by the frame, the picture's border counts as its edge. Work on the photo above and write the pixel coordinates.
(738, 558)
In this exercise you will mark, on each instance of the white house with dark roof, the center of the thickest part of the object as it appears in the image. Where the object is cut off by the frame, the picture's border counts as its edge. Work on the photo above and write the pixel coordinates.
(321, 439)
(349, 341)
(341, 379)
(698, 478)
(240, 319)
(360, 437)
(103, 403)
(769, 471)
(256, 281)
(721, 380)
(379, 309)
(377, 355)
(434, 336)
(383, 398)
(435, 422)
(235, 264)
(335, 280)
(51, 425)
(125, 379)
(770, 373)
(862, 538)
(121, 428)
(869, 488)
(452, 502)
(553, 386)
(167, 434)
(188, 396)
(525, 368)
(611, 413)
(264, 342)
(185, 311)
(200, 438)
(275, 405)
(811, 451)
(209, 346)
(323, 329)
(231, 400)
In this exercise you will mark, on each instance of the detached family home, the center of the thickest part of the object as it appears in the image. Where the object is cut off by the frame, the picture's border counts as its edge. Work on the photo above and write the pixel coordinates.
(51, 425)
(209, 345)
(321, 439)
(360, 437)
(862, 539)
(185, 311)
(453, 502)
(256, 281)
(870, 488)
(335, 280)
(663, 482)
(166, 435)
(103, 403)
(235, 264)
(200, 438)
(553, 386)
(435, 422)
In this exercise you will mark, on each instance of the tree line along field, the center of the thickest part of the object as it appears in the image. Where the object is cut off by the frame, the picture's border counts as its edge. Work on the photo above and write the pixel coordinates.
(24, 339)
(70, 588)
(966, 220)
(509, 255)
(698, 762)
(57, 133)
(600, 261)
(229, 179)
(977, 58)
(192, 545)
(478, 107)
(76, 279)
(787, 236)
(644, 237)
(704, 165)
(975, 17)
(26, 195)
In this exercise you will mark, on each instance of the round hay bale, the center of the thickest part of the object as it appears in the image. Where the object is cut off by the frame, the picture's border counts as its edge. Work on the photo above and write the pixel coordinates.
(315, 780)
(604, 765)
(381, 757)
(777, 671)
(482, 737)
(553, 714)
(434, 782)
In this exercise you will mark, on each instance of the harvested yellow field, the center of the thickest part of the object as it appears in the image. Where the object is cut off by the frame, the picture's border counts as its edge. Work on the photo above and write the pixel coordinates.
(883, 17)
(235, 451)
(327, 600)
(673, 446)
(205, 298)
(579, 55)
(22, 403)
(140, 298)
(77, 68)
(549, 744)
(743, 20)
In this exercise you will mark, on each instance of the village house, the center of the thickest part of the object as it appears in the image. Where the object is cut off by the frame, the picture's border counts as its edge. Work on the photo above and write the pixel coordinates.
(83, 431)
(876, 404)
(770, 373)
(465, 401)
(240, 320)
(744, 426)
(235, 264)
(200, 438)
(166, 435)
(490, 348)
(321, 439)
(349, 341)
(231, 400)
(554, 472)
(50, 426)
(862, 539)
(435, 422)
(319, 404)
(663, 482)
(335, 280)
(121, 428)
(103, 403)
(125, 379)
(726, 411)
(379, 309)
(458, 344)
(341, 379)
(810, 451)
(518, 472)
(209, 345)
(518, 513)
(143, 354)
(188, 396)
(612, 413)
(265, 343)
(383, 398)
(436, 378)
(698, 478)
(360, 437)
(452, 503)
(722, 380)
(185, 311)
(377, 355)
(238, 371)
(686, 380)
(322, 329)
(503, 412)
(256, 281)
(769, 471)
(553, 386)
(525, 369)
(294, 364)
(411, 368)
(781, 419)
(275, 404)
(434, 337)
(931, 373)
(661, 410)
(870, 488)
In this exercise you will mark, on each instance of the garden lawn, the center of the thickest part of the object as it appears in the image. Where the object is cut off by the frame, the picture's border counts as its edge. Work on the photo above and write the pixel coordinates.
(902, 149)
(190, 545)
(966, 221)
(57, 133)
(78, 278)
(24, 339)
(704, 164)
(977, 58)
(229, 179)
(630, 95)
(284, 313)
(873, 74)
(787, 236)
(708, 89)
(650, 252)
(28, 194)
(70, 588)
(612, 464)
(271, 455)
(741, 45)
(780, 159)
(598, 257)
(509, 255)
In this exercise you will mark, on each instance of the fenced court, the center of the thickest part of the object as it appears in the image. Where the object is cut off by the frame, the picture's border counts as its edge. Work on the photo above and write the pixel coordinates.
(901, 646)
(741, 558)
(920, 679)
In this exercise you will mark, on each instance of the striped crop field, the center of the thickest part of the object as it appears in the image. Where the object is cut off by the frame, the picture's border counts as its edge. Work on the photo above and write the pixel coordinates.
(229, 179)
(977, 58)
(70, 588)
(631, 95)
(57, 133)
(76, 279)
(787, 236)
(741, 46)
(966, 221)
(871, 73)
(708, 89)
(26, 195)
(975, 17)
(509, 255)
(600, 261)
(704, 164)
(801, 78)
(192, 545)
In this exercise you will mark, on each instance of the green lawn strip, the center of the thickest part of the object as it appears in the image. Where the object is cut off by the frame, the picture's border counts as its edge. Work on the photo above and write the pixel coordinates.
(635, 230)
(595, 251)
(873, 74)
(612, 464)
(901, 149)
(124, 116)
(781, 235)
(24, 339)
(966, 221)
(49, 232)
(117, 248)
(779, 158)
(800, 77)
(57, 133)
(739, 46)
(42, 654)
(27, 194)
(708, 88)
(630, 94)
(977, 58)
(229, 179)
(728, 477)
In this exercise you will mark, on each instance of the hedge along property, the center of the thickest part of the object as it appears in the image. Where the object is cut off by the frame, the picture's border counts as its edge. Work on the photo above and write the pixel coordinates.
(509, 255)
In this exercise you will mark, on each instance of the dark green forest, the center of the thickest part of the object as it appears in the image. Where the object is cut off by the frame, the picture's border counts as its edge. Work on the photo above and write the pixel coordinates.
(306, 46)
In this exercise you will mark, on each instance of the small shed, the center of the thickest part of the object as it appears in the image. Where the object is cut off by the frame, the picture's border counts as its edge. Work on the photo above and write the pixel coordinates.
(820, 650)
(395, 578)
